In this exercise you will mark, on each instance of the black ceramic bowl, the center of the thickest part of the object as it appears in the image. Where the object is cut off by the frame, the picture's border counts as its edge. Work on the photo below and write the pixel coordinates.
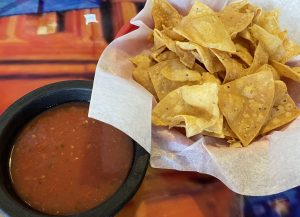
(25, 109)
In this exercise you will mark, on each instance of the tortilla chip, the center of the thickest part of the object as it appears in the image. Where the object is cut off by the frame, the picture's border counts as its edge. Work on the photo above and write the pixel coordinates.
(216, 130)
(199, 68)
(236, 144)
(203, 27)
(164, 14)
(210, 61)
(286, 71)
(185, 57)
(283, 35)
(271, 43)
(291, 50)
(203, 55)
(235, 21)
(234, 69)
(166, 55)
(142, 60)
(270, 68)
(175, 71)
(284, 109)
(171, 34)
(164, 85)
(246, 104)
(141, 73)
(227, 131)
(248, 8)
(193, 107)
(158, 41)
(268, 20)
(158, 47)
(236, 6)
(210, 78)
(245, 34)
(200, 9)
(243, 53)
(261, 57)
(206, 133)
(163, 40)
(156, 53)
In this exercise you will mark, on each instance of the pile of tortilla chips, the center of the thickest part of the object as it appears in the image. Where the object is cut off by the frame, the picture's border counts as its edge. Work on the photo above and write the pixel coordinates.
(218, 73)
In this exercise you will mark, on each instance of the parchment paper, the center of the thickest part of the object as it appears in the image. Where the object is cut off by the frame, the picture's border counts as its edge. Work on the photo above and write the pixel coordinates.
(268, 166)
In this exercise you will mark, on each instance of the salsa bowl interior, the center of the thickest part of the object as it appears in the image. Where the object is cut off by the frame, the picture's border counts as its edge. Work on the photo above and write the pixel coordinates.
(27, 108)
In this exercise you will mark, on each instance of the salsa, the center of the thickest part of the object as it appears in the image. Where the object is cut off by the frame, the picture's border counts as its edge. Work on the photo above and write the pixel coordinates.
(64, 163)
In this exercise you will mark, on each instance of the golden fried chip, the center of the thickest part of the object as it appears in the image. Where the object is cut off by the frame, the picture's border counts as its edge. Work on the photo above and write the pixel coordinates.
(166, 55)
(156, 53)
(234, 20)
(252, 8)
(271, 43)
(243, 53)
(246, 104)
(171, 34)
(142, 60)
(236, 144)
(268, 20)
(164, 85)
(210, 78)
(202, 26)
(286, 71)
(199, 9)
(141, 73)
(199, 68)
(284, 109)
(236, 6)
(176, 71)
(245, 34)
(193, 107)
(158, 47)
(163, 40)
(216, 130)
(291, 50)
(187, 45)
(164, 14)
(227, 131)
(206, 133)
(185, 57)
(282, 35)
(270, 68)
(234, 69)
(210, 61)
(203, 55)
(261, 57)
(158, 41)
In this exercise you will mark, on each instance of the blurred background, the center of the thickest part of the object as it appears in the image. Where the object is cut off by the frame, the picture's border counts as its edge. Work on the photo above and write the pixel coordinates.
(47, 41)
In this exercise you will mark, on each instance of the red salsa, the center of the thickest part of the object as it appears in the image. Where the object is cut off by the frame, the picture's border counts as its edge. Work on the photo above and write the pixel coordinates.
(65, 163)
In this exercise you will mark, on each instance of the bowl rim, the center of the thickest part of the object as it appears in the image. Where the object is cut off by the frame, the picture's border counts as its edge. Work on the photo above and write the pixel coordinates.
(11, 206)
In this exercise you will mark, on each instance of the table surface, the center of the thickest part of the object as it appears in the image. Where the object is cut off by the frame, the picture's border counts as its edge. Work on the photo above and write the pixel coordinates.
(42, 48)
